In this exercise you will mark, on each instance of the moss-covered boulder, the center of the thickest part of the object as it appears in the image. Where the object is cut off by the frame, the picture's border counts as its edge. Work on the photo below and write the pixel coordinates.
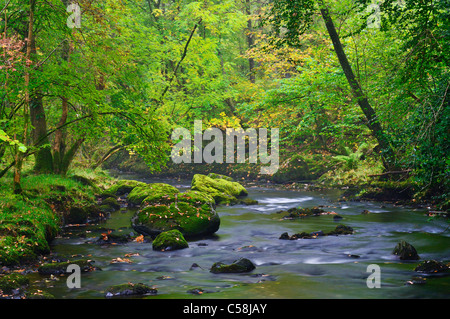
(405, 251)
(139, 193)
(170, 240)
(192, 213)
(238, 266)
(61, 267)
(129, 289)
(222, 190)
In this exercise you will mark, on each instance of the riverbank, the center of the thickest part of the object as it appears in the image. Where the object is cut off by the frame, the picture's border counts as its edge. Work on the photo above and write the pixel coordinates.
(28, 222)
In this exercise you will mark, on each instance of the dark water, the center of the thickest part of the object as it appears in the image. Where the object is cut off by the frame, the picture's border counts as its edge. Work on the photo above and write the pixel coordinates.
(325, 267)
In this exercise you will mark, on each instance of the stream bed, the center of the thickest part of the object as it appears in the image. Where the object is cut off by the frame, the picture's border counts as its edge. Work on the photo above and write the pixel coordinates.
(323, 267)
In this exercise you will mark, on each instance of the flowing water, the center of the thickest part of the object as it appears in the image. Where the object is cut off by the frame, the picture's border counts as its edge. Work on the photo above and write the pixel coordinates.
(324, 267)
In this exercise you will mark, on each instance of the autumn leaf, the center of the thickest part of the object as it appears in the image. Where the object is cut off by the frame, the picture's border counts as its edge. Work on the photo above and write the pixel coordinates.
(139, 239)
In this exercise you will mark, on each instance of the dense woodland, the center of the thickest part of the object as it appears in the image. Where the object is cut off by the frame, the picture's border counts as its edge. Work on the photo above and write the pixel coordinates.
(357, 88)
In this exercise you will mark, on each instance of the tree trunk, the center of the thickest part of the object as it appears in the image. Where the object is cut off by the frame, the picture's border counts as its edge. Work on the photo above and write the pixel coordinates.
(373, 123)
(18, 160)
(250, 41)
(43, 156)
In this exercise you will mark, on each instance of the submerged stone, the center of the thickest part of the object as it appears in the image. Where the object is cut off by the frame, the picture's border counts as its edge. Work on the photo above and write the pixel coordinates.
(129, 289)
(238, 266)
(432, 266)
(405, 251)
(299, 212)
(170, 240)
(339, 230)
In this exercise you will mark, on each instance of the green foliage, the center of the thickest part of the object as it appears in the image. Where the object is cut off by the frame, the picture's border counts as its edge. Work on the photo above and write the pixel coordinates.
(351, 159)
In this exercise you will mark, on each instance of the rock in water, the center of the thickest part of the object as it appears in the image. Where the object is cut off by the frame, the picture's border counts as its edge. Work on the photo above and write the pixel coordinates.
(170, 240)
(192, 213)
(405, 251)
(432, 266)
(238, 266)
(222, 190)
(129, 289)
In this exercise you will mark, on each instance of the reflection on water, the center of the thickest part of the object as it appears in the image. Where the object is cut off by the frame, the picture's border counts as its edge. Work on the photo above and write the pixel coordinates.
(325, 267)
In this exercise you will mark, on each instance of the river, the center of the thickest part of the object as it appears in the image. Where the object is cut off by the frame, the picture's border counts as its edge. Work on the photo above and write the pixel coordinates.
(324, 267)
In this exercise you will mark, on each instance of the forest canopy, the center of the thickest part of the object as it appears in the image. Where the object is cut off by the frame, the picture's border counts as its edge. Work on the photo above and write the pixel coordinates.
(356, 87)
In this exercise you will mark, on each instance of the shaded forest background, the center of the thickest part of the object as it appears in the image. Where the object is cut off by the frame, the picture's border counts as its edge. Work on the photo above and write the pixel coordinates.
(110, 92)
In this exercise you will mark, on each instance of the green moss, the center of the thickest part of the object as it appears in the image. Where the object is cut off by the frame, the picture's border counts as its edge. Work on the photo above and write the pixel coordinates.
(12, 281)
(170, 240)
(38, 294)
(220, 176)
(25, 229)
(223, 191)
(139, 193)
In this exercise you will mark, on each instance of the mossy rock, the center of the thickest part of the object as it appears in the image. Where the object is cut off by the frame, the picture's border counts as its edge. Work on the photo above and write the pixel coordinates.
(241, 265)
(61, 267)
(129, 289)
(222, 190)
(405, 251)
(12, 281)
(192, 213)
(170, 240)
(139, 193)
(122, 187)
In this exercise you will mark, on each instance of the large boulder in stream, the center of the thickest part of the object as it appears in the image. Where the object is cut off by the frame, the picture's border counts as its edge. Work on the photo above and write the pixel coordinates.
(221, 188)
(192, 213)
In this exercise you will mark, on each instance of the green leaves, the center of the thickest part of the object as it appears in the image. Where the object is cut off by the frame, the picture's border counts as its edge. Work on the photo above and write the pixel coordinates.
(6, 139)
